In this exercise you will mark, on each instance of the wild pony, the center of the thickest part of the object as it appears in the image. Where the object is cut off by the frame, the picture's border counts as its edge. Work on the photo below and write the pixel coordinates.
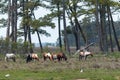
(31, 57)
(59, 56)
(85, 54)
(10, 56)
(47, 56)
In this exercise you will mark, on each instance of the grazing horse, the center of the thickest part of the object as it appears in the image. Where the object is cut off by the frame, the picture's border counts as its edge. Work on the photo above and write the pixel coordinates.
(47, 55)
(85, 54)
(32, 56)
(54, 56)
(10, 56)
(61, 56)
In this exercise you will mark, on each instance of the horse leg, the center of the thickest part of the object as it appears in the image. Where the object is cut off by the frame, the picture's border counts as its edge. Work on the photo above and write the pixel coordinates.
(80, 57)
(86, 57)
(44, 58)
(14, 59)
(58, 58)
(51, 58)
(5, 58)
(91, 55)
(38, 59)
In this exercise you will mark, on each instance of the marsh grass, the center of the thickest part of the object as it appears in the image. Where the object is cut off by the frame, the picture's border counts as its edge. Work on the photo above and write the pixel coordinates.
(96, 68)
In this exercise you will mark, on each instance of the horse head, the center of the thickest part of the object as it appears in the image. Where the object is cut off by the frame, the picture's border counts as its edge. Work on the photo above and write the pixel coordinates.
(61, 56)
(32, 56)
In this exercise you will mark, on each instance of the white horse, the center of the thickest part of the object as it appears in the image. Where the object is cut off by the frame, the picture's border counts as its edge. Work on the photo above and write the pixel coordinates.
(85, 54)
(10, 56)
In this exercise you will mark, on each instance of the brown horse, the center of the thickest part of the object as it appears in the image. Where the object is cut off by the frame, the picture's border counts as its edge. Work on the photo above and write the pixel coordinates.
(47, 56)
(31, 57)
(59, 56)
(85, 54)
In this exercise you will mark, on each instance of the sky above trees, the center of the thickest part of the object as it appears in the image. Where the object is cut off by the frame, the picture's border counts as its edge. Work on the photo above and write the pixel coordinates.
(38, 13)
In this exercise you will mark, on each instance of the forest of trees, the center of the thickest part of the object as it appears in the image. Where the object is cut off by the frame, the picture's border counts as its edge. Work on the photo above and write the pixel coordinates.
(89, 21)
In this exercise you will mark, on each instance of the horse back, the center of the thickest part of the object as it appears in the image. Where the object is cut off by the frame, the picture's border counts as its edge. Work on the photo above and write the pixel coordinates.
(10, 55)
(34, 55)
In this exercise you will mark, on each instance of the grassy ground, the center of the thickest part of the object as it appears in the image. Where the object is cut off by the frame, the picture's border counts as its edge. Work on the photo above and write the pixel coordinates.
(98, 67)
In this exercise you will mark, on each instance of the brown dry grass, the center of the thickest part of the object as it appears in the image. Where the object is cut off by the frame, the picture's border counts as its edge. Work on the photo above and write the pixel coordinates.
(72, 63)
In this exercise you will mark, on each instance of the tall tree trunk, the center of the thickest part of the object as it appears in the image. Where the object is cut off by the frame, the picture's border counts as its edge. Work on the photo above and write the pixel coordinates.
(65, 33)
(75, 31)
(103, 29)
(59, 30)
(15, 20)
(115, 36)
(25, 25)
(40, 42)
(110, 33)
(77, 28)
(12, 22)
(77, 22)
(77, 37)
(98, 26)
(9, 20)
(8, 26)
(29, 39)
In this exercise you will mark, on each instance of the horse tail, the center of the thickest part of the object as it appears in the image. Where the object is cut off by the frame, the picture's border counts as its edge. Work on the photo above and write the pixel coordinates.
(65, 57)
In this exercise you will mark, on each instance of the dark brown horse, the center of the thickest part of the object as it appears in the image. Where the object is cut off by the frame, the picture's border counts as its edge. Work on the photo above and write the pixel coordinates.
(31, 57)
(59, 56)
(47, 56)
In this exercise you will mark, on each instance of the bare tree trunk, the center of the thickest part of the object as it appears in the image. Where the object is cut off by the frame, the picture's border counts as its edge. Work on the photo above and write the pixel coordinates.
(12, 21)
(110, 33)
(75, 31)
(40, 42)
(65, 33)
(59, 30)
(77, 37)
(103, 29)
(79, 27)
(77, 23)
(9, 20)
(15, 20)
(115, 36)
(29, 39)
(25, 25)
(98, 26)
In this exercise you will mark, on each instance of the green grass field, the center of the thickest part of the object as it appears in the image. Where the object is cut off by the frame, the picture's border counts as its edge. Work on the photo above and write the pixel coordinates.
(98, 67)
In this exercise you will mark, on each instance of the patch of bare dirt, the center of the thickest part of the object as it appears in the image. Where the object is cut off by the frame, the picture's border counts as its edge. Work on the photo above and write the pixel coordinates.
(118, 77)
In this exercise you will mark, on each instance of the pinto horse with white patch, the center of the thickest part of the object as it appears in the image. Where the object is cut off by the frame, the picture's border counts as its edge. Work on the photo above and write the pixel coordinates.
(47, 56)
(32, 56)
(85, 54)
(10, 56)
